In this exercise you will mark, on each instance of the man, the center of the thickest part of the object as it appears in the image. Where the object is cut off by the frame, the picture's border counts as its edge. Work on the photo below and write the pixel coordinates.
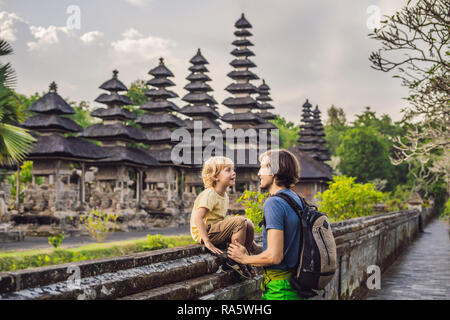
(279, 173)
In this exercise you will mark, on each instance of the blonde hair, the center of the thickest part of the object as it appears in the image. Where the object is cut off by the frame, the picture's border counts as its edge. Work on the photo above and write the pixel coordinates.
(212, 168)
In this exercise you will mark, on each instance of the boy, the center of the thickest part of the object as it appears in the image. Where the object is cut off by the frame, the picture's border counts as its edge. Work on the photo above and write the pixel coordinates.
(208, 223)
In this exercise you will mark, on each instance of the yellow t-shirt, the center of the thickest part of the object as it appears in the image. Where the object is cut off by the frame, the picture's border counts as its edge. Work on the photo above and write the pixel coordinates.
(217, 209)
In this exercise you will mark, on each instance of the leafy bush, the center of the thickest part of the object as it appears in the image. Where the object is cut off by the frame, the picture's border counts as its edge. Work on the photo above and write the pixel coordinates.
(346, 199)
(56, 241)
(446, 212)
(99, 224)
(155, 242)
(253, 201)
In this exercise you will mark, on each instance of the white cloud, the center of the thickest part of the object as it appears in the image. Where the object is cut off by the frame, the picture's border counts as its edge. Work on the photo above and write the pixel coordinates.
(136, 47)
(7, 22)
(46, 36)
(139, 3)
(91, 36)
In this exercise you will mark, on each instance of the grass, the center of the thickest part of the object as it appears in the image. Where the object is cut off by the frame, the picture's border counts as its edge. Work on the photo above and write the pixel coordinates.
(18, 260)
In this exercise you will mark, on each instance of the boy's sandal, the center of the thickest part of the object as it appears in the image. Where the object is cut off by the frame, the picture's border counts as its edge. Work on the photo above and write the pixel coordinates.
(239, 268)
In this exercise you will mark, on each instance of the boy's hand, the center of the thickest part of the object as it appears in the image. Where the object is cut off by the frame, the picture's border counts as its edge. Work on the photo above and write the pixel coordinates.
(237, 252)
(213, 248)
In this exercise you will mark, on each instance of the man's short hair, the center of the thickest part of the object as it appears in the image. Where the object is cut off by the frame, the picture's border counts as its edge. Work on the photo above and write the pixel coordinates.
(284, 166)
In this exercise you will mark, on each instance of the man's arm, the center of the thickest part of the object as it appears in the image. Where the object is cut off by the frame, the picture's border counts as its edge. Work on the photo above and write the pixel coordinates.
(273, 255)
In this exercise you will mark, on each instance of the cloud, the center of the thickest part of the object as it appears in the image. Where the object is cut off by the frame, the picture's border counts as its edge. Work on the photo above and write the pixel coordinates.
(46, 36)
(91, 36)
(7, 25)
(135, 47)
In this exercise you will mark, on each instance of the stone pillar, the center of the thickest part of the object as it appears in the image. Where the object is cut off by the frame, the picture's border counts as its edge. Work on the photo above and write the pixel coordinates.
(83, 183)
(138, 187)
(18, 188)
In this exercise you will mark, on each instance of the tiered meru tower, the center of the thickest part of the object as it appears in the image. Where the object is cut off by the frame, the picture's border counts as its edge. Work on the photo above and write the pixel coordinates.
(124, 165)
(158, 123)
(203, 115)
(311, 134)
(242, 103)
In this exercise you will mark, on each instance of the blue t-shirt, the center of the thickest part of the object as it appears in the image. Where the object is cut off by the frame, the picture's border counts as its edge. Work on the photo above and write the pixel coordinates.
(279, 215)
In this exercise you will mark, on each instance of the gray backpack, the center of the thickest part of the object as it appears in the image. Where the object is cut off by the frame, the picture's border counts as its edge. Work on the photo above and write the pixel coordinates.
(317, 261)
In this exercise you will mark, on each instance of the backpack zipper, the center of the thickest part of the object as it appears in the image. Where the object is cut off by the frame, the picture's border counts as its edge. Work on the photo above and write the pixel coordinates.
(324, 243)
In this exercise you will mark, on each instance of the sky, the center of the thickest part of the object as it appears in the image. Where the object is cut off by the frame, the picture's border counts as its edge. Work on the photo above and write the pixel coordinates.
(316, 50)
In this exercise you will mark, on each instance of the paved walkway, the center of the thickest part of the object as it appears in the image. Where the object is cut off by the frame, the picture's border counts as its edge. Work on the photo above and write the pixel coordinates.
(422, 272)
(42, 242)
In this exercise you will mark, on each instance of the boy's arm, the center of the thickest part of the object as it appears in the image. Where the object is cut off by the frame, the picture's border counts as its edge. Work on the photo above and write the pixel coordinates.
(198, 220)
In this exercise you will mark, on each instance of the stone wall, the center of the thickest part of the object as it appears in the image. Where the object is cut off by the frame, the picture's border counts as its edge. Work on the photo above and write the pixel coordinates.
(193, 273)
(374, 240)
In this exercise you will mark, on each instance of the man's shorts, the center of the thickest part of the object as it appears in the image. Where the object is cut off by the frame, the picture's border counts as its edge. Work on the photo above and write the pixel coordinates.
(222, 231)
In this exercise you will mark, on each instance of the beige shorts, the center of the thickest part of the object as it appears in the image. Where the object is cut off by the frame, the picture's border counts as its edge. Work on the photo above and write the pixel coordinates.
(222, 231)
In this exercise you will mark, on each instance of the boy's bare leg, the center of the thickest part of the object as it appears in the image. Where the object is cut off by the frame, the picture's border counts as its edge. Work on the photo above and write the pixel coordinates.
(240, 235)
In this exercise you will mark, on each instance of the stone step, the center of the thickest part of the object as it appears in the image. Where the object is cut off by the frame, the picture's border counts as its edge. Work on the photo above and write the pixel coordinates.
(248, 289)
(44, 276)
(189, 289)
(123, 282)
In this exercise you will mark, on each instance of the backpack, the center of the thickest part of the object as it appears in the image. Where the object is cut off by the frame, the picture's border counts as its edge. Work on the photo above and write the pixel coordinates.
(317, 257)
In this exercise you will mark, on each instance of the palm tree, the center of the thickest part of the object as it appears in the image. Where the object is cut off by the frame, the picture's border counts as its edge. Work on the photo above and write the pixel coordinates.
(15, 142)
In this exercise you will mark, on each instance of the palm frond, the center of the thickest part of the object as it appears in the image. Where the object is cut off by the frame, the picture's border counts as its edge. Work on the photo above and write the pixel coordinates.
(5, 48)
(15, 144)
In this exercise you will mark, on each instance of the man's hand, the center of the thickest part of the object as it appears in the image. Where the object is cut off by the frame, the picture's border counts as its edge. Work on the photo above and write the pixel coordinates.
(237, 252)
(213, 248)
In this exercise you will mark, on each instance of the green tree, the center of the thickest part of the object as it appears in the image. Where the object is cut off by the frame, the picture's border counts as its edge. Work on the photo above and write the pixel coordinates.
(364, 153)
(346, 199)
(288, 132)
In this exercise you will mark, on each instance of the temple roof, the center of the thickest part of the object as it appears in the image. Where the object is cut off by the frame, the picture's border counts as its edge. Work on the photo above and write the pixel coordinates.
(160, 82)
(198, 77)
(242, 23)
(201, 110)
(159, 120)
(129, 156)
(242, 74)
(56, 146)
(52, 103)
(113, 113)
(159, 136)
(114, 85)
(207, 123)
(113, 132)
(198, 86)
(242, 63)
(311, 169)
(198, 68)
(198, 58)
(242, 102)
(51, 123)
(242, 52)
(160, 94)
(243, 33)
(158, 106)
(267, 115)
(161, 70)
(242, 43)
(242, 117)
(113, 99)
(241, 88)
